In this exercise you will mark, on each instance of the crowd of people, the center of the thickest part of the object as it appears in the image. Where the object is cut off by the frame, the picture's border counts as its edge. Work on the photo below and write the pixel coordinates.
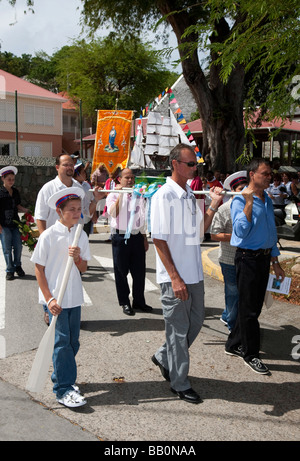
(244, 226)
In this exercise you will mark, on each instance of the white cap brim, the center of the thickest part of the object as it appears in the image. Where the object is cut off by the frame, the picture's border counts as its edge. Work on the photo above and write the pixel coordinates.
(234, 179)
(8, 169)
(67, 192)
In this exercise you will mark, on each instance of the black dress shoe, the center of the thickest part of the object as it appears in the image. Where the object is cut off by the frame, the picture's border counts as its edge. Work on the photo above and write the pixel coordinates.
(144, 308)
(189, 395)
(127, 309)
(163, 370)
(20, 271)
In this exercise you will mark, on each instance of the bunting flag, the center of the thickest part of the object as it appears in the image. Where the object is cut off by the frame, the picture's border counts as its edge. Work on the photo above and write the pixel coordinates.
(112, 142)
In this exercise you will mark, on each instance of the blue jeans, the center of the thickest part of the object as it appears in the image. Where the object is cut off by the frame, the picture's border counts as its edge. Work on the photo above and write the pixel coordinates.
(66, 346)
(231, 294)
(12, 247)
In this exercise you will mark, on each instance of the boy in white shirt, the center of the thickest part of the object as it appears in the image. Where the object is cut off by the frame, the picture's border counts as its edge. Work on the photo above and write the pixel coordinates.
(50, 257)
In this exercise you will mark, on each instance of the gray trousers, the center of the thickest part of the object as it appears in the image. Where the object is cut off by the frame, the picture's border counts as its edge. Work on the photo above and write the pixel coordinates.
(183, 322)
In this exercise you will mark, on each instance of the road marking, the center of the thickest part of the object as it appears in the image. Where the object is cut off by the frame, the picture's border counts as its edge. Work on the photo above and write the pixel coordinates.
(107, 264)
(2, 290)
(86, 299)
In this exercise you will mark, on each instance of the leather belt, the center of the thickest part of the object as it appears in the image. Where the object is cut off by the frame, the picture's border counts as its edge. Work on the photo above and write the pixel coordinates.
(123, 232)
(259, 252)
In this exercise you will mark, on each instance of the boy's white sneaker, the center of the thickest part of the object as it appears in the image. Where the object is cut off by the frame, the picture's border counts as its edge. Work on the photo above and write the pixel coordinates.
(72, 400)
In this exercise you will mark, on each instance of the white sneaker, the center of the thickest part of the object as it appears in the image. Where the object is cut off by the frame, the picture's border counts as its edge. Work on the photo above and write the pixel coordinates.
(72, 400)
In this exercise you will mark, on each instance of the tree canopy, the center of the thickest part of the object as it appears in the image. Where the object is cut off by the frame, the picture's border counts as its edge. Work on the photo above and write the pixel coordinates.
(97, 71)
(102, 70)
(266, 42)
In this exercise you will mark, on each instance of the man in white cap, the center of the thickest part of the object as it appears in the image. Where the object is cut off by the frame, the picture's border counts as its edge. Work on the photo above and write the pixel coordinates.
(50, 257)
(10, 206)
(221, 230)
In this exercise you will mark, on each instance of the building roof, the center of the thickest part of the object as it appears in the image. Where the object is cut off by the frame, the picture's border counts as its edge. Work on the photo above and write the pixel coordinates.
(10, 83)
(69, 104)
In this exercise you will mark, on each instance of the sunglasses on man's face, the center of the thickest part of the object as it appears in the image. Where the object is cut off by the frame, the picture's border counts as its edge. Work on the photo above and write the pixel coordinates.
(189, 164)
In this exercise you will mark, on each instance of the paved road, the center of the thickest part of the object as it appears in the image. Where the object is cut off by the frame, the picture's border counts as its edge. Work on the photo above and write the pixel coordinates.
(237, 403)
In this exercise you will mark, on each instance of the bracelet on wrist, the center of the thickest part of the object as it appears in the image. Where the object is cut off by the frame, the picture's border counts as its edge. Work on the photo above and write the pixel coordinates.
(50, 300)
(275, 262)
(213, 209)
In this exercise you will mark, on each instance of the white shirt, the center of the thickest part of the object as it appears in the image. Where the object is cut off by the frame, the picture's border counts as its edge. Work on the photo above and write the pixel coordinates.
(121, 221)
(42, 210)
(52, 252)
(176, 218)
(89, 197)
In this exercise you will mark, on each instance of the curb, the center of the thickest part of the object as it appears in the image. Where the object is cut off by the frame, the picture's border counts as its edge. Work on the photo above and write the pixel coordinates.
(209, 267)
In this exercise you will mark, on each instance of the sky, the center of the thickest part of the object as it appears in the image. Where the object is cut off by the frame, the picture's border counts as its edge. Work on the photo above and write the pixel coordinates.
(54, 24)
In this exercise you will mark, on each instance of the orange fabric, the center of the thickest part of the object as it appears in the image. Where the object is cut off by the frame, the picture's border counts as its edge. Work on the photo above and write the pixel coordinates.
(112, 142)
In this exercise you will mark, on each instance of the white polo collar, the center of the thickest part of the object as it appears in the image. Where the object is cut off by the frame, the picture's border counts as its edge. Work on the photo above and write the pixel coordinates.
(180, 192)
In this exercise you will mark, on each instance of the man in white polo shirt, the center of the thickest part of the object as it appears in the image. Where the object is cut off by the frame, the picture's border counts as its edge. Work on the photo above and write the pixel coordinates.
(176, 221)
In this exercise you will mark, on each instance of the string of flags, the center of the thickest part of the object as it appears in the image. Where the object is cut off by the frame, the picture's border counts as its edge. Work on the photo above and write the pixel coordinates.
(177, 112)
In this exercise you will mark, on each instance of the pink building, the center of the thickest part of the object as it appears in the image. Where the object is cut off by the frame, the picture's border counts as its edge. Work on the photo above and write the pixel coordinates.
(39, 120)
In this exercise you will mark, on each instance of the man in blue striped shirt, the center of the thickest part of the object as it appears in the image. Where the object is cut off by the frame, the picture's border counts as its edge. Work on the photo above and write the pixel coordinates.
(255, 236)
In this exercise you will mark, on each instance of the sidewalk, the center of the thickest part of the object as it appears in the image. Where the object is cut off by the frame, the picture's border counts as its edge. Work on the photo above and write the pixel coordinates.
(210, 251)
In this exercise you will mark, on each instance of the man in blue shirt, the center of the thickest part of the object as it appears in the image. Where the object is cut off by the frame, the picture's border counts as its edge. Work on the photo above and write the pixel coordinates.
(255, 236)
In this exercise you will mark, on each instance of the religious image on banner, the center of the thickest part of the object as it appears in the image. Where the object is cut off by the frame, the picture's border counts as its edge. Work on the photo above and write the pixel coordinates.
(112, 142)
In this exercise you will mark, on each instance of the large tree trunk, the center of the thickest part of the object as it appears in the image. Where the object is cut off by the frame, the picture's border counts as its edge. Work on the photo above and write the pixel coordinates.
(220, 105)
(221, 113)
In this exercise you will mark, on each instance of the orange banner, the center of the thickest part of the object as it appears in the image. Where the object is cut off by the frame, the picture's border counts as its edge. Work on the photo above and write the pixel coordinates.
(112, 142)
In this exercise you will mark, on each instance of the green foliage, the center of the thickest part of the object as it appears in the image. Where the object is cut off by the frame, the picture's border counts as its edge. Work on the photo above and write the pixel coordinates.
(97, 72)
(38, 69)
(266, 41)
(27, 229)
(102, 70)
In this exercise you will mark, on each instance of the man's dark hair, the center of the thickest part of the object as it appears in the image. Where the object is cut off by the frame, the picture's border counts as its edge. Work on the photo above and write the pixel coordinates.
(57, 159)
(175, 153)
(255, 164)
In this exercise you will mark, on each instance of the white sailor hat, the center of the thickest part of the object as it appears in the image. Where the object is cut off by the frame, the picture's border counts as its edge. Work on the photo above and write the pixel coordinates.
(234, 179)
(78, 165)
(68, 192)
(8, 169)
